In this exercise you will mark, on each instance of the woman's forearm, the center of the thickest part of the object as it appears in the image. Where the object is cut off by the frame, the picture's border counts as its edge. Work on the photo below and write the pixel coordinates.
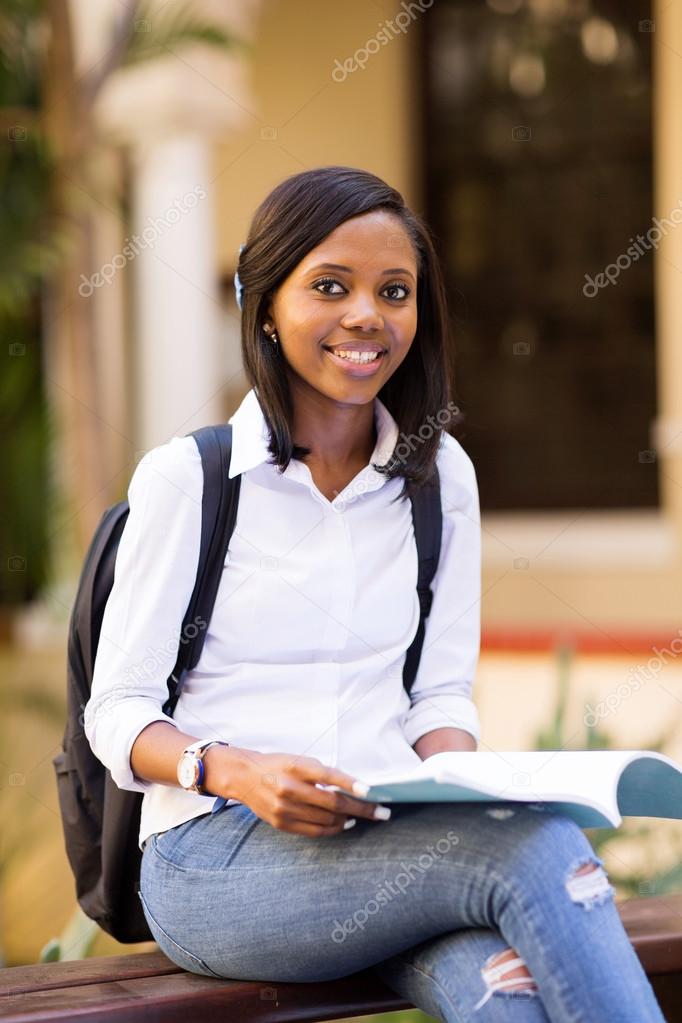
(442, 740)
(157, 749)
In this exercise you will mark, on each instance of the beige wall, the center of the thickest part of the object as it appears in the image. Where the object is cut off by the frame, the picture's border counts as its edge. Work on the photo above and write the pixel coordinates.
(595, 572)
(370, 120)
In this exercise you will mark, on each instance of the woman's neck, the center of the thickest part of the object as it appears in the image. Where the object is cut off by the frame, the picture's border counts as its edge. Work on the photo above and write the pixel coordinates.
(339, 436)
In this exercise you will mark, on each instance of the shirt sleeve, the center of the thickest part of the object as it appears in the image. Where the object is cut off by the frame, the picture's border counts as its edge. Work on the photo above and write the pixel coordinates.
(441, 696)
(154, 575)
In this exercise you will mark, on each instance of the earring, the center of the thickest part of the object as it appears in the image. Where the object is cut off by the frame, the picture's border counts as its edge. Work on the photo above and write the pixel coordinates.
(272, 333)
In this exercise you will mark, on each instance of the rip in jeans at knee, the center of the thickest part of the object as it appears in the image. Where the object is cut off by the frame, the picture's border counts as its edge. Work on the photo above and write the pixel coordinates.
(506, 972)
(588, 884)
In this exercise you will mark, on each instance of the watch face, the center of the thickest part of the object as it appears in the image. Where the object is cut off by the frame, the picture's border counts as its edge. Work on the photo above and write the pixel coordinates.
(187, 771)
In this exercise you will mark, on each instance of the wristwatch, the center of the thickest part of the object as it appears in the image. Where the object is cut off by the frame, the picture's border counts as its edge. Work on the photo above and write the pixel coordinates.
(191, 764)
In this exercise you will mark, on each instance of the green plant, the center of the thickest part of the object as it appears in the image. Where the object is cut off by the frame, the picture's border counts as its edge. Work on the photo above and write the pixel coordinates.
(404, 1016)
(555, 735)
(75, 941)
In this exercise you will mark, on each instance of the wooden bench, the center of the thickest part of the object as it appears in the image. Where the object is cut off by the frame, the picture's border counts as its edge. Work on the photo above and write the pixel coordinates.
(130, 988)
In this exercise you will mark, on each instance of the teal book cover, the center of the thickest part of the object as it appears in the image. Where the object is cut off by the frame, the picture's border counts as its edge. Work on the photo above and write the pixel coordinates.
(597, 788)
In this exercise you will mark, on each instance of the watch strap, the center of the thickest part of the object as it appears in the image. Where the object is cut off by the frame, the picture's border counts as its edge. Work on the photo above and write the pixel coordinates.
(202, 770)
(199, 750)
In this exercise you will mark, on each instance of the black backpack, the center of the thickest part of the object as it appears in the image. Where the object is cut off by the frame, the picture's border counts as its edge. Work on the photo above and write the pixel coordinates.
(101, 822)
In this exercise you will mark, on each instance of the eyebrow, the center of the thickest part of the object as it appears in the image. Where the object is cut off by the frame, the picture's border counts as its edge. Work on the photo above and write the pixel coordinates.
(348, 269)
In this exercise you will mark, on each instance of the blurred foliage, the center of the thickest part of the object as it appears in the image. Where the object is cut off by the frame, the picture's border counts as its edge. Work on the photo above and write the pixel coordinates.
(158, 31)
(630, 882)
(46, 165)
(75, 941)
(24, 458)
(31, 246)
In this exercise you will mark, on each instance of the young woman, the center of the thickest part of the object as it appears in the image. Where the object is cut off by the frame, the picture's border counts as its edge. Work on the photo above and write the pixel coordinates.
(470, 913)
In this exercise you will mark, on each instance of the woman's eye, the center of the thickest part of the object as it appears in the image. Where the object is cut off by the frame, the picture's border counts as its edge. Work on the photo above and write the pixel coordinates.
(393, 287)
(325, 284)
(322, 285)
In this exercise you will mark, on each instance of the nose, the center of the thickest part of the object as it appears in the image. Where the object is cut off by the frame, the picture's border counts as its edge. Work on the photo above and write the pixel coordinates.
(362, 312)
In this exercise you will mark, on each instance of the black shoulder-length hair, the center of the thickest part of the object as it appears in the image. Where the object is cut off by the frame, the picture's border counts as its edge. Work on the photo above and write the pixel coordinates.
(293, 219)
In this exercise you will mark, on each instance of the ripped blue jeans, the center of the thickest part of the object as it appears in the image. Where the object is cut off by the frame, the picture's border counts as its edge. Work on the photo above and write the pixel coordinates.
(470, 913)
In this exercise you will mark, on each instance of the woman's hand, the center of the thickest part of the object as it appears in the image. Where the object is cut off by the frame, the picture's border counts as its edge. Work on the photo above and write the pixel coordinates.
(282, 789)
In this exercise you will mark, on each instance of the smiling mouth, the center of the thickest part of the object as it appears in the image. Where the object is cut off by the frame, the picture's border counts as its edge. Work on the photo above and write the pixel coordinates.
(357, 366)
(354, 353)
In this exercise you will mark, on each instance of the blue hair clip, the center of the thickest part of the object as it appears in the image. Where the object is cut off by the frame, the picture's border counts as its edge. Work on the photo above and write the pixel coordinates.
(238, 286)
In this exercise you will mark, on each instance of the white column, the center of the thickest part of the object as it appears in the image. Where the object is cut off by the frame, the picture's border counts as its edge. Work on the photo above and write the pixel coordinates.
(178, 362)
(667, 39)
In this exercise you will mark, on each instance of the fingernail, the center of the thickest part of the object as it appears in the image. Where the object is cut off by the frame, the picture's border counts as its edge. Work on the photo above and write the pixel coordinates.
(359, 788)
(351, 822)
(382, 813)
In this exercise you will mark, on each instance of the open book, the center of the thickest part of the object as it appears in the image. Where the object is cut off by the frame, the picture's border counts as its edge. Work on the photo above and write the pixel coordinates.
(597, 788)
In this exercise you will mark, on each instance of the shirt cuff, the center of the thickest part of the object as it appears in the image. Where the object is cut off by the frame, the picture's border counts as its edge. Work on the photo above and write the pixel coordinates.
(114, 750)
(441, 710)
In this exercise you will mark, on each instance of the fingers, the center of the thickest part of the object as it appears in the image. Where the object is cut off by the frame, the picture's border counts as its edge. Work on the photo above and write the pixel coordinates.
(333, 776)
(305, 798)
(312, 770)
(346, 804)
(326, 781)
(307, 813)
(335, 802)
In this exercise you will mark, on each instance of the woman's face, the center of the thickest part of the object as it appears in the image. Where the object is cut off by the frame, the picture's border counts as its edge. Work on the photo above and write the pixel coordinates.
(365, 302)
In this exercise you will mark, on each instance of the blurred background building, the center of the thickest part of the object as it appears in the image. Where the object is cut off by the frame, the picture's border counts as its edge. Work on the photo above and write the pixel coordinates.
(542, 142)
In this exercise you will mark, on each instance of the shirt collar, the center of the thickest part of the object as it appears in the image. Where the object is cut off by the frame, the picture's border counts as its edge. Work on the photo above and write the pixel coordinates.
(250, 435)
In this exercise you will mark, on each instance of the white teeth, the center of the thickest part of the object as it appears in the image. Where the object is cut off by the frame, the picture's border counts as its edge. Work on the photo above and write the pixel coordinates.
(358, 356)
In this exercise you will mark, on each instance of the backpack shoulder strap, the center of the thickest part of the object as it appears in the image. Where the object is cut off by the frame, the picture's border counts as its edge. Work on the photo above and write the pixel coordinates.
(219, 505)
(427, 516)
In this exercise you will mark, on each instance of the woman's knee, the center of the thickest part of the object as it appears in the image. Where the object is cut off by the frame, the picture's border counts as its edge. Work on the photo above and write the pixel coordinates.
(551, 847)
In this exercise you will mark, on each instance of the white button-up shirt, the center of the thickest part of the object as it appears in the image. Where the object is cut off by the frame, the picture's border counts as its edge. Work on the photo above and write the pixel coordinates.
(316, 608)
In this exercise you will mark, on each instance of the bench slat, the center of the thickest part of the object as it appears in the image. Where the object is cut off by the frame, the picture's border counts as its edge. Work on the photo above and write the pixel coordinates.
(654, 926)
(78, 972)
(178, 997)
